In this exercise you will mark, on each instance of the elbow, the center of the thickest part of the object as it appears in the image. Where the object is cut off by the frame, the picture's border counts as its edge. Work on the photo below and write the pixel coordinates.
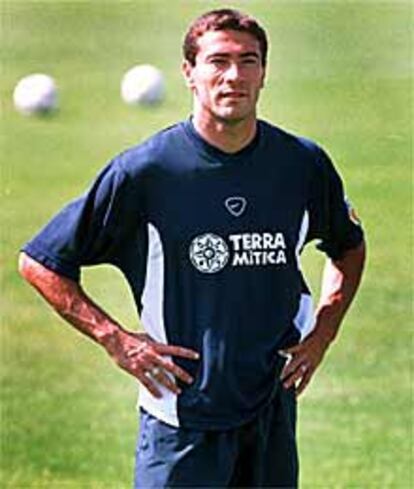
(36, 274)
(22, 265)
(26, 267)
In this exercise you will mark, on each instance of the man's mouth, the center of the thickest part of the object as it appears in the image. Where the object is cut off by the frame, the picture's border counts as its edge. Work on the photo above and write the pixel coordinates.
(233, 94)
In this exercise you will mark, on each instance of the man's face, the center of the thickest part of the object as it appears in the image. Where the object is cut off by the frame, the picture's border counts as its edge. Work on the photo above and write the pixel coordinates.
(227, 76)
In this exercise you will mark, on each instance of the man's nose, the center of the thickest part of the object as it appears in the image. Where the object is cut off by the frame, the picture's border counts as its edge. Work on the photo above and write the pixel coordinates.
(232, 72)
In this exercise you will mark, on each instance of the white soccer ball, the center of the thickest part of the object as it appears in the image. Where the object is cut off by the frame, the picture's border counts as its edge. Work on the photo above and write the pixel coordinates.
(35, 94)
(143, 84)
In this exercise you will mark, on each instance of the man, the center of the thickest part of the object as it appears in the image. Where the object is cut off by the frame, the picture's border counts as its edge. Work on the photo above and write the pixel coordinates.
(207, 220)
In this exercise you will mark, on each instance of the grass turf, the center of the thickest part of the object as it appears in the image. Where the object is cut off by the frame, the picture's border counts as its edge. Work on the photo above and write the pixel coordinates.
(339, 72)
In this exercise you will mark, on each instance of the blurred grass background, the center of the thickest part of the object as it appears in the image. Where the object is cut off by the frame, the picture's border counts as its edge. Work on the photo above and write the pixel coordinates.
(339, 72)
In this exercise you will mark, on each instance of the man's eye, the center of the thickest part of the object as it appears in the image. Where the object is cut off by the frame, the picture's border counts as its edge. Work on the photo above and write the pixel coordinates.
(218, 61)
(250, 61)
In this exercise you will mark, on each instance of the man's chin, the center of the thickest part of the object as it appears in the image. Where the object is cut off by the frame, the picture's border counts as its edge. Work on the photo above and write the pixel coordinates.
(233, 117)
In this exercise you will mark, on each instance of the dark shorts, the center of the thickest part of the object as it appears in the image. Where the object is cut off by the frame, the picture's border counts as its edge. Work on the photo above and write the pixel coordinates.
(261, 453)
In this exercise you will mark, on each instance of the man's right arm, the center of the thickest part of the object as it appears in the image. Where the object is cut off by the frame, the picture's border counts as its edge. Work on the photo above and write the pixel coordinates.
(136, 353)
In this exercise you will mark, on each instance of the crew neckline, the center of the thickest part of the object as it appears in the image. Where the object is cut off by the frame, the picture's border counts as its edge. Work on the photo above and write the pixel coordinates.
(215, 152)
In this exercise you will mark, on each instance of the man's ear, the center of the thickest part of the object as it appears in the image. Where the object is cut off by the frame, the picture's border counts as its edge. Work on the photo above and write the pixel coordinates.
(187, 71)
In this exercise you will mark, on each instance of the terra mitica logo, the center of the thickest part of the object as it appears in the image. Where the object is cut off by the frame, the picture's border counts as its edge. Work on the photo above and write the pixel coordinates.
(209, 253)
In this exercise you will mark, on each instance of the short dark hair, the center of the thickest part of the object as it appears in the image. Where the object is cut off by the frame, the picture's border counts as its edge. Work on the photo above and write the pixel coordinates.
(221, 20)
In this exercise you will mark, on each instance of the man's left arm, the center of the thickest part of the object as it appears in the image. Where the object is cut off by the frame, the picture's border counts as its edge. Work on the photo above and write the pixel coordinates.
(341, 279)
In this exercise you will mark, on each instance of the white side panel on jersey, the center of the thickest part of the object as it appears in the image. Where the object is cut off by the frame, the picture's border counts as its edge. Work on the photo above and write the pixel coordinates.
(304, 320)
(152, 318)
(303, 231)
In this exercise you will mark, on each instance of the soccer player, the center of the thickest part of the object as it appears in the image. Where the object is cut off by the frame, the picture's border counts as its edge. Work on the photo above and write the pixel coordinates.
(207, 220)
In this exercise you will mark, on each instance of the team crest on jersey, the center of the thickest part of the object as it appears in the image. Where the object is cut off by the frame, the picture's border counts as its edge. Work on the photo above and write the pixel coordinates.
(236, 205)
(209, 253)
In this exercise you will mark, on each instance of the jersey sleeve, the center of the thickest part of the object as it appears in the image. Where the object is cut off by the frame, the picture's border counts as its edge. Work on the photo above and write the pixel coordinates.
(91, 229)
(331, 218)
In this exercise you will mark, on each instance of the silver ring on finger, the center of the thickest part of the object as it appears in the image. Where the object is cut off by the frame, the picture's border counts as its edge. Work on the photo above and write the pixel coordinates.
(304, 368)
(155, 371)
(152, 373)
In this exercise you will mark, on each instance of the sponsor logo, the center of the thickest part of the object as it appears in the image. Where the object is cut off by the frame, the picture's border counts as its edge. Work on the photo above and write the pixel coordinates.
(236, 205)
(210, 253)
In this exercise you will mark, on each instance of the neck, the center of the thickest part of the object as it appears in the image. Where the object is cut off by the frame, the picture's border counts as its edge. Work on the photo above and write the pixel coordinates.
(229, 136)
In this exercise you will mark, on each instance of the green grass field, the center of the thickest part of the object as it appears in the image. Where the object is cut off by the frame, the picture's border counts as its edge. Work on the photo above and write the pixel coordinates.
(340, 72)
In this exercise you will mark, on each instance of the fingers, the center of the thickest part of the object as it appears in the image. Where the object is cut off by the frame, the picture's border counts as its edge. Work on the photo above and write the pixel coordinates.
(167, 381)
(304, 381)
(156, 377)
(303, 360)
(144, 340)
(154, 361)
(146, 380)
(294, 375)
(292, 349)
(158, 372)
(175, 370)
(297, 372)
(292, 366)
(299, 378)
(148, 362)
(176, 351)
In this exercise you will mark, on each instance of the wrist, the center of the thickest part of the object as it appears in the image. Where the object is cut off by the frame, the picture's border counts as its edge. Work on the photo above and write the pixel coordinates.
(325, 337)
(108, 335)
(326, 327)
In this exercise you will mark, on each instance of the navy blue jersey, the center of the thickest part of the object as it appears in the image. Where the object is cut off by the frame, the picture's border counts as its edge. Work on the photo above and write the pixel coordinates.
(209, 243)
